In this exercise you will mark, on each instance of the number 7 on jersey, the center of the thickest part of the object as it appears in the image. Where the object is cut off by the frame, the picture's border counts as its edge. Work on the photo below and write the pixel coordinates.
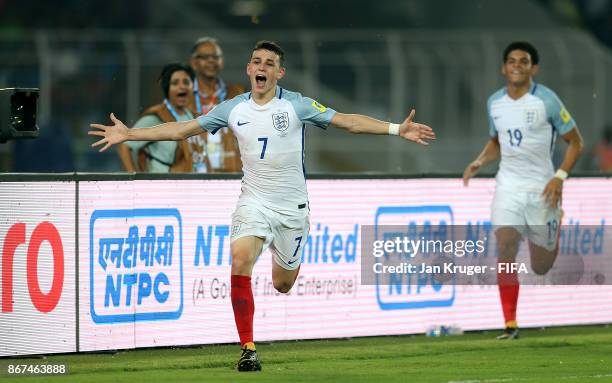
(263, 149)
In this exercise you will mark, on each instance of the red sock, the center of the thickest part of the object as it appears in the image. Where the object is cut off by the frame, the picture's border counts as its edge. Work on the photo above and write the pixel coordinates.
(508, 294)
(244, 307)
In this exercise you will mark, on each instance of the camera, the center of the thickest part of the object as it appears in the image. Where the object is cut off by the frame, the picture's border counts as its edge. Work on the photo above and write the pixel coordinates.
(18, 113)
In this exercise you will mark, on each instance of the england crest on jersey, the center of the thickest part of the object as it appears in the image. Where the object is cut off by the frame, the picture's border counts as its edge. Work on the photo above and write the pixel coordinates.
(531, 115)
(281, 123)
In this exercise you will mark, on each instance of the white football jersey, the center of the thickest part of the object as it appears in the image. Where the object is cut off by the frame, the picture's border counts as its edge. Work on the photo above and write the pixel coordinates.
(271, 142)
(526, 130)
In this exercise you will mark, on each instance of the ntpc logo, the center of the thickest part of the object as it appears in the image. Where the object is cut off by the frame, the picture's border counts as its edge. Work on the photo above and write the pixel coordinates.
(136, 265)
(414, 291)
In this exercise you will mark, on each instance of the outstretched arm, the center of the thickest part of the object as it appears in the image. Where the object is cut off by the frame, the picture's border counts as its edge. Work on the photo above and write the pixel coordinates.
(553, 190)
(118, 132)
(490, 153)
(410, 130)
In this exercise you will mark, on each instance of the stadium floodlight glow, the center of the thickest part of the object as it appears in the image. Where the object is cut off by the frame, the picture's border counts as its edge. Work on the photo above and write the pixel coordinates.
(18, 113)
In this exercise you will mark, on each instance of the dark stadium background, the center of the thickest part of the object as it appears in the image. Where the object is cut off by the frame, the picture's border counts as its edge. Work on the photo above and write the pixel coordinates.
(380, 58)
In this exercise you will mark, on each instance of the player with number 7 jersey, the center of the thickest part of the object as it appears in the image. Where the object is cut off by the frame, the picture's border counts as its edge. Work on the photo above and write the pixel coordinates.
(271, 141)
(272, 211)
(273, 204)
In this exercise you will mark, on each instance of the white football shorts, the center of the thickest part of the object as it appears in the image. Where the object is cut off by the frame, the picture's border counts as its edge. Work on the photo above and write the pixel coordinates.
(286, 235)
(529, 213)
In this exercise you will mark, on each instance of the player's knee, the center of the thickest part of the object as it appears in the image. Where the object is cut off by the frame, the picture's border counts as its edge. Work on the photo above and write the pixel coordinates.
(507, 240)
(283, 286)
(540, 269)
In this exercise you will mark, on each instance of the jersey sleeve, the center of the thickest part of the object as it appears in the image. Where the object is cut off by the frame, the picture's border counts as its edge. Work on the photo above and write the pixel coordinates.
(495, 96)
(556, 113)
(310, 111)
(218, 117)
(492, 129)
(143, 122)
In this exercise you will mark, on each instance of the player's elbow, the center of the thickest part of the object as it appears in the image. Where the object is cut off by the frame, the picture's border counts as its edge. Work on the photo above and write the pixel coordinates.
(579, 144)
(186, 129)
(352, 127)
(576, 141)
(347, 122)
(180, 134)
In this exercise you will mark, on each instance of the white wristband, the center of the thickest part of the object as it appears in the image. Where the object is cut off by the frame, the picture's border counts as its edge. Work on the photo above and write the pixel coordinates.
(394, 129)
(561, 174)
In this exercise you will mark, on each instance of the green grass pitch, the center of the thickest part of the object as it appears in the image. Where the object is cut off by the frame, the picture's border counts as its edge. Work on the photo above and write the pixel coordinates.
(570, 354)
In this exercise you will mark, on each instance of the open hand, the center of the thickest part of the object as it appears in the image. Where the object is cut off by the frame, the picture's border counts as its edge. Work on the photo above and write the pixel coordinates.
(416, 132)
(111, 135)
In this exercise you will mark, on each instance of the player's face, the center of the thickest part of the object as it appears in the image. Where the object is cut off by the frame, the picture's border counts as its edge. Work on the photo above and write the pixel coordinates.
(180, 88)
(518, 68)
(264, 71)
(207, 61)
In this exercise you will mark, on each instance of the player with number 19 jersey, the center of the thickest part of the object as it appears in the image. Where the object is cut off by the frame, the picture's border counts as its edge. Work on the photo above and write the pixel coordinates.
(527, 129)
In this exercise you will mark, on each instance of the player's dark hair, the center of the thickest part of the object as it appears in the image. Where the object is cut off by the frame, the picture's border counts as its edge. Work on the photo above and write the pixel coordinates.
(166, 75)
(522, 46)
(272, 47)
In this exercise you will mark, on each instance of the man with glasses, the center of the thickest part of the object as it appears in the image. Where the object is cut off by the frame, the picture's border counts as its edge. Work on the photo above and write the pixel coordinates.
(208, 91)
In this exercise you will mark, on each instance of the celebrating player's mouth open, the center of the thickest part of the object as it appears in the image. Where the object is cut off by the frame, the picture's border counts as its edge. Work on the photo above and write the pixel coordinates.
(273, 207)
(264, 73)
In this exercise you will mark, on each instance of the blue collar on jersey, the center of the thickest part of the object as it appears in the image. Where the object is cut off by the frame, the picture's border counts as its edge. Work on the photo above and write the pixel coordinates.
(279, 92)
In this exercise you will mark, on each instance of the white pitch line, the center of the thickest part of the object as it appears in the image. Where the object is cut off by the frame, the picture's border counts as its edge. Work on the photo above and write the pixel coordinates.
(495, 380)
(498, 380)
(598, 376)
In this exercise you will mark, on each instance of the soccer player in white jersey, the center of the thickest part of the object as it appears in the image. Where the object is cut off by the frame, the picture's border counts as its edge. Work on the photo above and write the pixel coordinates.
(524, 120)
(273, 207)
